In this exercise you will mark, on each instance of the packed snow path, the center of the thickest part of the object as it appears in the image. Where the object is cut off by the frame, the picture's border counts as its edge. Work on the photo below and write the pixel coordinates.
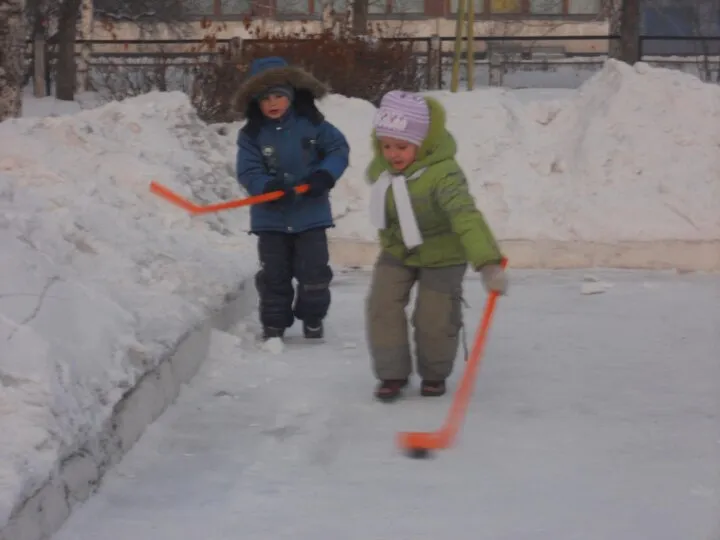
(595, 417)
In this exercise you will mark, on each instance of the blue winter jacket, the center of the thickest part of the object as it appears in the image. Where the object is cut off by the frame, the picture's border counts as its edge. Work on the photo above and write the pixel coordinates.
(289, 148)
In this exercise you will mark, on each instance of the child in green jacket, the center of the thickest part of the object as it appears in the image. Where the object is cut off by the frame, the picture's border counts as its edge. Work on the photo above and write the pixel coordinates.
(430, 229)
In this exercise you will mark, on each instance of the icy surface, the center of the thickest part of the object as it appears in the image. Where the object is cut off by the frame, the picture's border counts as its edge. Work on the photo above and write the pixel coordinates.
(100, 277)
(594, 417)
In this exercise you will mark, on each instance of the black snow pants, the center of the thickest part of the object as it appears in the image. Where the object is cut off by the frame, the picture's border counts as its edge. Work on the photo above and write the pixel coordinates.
(284, 256)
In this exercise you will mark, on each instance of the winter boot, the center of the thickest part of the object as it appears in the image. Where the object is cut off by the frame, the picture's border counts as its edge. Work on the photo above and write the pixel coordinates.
(313, 330)
(270, 333)
(390, 390)
(432, 388)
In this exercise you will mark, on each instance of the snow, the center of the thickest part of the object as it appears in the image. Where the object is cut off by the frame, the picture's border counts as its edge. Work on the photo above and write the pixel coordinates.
(594, 417)
(50, 106)
(592, 285)
(274, 346)
(101, 278)
(633, 155)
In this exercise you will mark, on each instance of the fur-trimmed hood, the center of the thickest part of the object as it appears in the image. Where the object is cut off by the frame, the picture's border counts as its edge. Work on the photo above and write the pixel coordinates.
(274, 71)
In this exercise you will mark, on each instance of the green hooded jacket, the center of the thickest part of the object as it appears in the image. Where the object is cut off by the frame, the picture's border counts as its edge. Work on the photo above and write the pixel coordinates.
(454, 231)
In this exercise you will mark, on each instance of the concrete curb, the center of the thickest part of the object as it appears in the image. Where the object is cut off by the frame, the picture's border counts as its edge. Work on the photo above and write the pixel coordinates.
(701, 256)
(79, 474)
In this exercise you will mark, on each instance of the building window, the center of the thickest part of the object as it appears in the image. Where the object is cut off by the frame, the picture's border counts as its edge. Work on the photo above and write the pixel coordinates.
(583, 7)
(505, 6)
(546, 7)
(235, 7)
(293, 7)
(198, 7)
(408, 6)
(338, 6)
(377, 7)
(374, 6)
(479, 6)
(533, 7)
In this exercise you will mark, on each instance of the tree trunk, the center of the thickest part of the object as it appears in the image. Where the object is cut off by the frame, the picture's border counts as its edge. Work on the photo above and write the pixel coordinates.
(630, 32)
(359, 17)
(12, 57)
(704, 15)
(66, 68)
(612, 9)
(39, 46)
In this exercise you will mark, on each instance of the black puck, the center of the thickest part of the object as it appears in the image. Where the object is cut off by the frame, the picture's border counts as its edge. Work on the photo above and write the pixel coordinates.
(418, 453)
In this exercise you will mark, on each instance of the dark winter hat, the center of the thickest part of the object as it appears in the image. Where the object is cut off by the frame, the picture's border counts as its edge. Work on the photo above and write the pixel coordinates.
(261, 65)
(281, 89)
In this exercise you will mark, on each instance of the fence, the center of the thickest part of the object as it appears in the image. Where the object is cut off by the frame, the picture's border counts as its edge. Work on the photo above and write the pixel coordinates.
(121, 68)
(567, 61)
(699, 55)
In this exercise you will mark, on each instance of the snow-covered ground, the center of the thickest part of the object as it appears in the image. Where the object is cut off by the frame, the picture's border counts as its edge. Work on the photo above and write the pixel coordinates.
(595, 417)
(101, 279)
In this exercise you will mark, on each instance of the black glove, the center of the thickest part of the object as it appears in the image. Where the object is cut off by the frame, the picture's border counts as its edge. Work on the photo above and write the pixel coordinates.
(276, 184)
(319, 182)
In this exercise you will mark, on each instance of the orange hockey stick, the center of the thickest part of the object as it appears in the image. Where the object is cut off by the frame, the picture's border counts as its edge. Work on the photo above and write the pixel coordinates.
(189, 206)
(419, 444)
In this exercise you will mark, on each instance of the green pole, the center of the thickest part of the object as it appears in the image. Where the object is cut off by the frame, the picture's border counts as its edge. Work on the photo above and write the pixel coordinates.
(455, 80)
(471, 45)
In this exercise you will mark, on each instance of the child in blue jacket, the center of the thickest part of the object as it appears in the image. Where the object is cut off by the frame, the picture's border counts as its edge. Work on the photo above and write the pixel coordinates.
(286, 142)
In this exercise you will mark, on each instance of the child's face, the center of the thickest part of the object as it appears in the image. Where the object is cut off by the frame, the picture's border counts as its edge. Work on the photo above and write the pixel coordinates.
(399, 154)
(274, 105)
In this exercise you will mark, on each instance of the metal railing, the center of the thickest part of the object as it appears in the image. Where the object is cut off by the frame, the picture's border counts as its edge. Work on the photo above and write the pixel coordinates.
(570, 59)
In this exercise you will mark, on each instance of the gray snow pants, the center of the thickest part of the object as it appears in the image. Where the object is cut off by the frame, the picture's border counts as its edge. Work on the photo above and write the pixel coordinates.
(437, 319)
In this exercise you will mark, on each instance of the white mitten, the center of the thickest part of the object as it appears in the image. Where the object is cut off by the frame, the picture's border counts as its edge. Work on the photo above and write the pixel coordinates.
(494, 278)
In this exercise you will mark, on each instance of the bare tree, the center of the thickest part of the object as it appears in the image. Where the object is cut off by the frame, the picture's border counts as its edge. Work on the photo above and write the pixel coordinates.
(66, 67)
(346, 16)
(705, 17)
(630, 32)
(55, 22)
(12, 57)
(65, 16)
(612, 11)
(360, 10)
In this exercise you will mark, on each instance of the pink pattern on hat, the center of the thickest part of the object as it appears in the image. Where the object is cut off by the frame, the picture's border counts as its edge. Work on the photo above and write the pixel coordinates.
(404, 116)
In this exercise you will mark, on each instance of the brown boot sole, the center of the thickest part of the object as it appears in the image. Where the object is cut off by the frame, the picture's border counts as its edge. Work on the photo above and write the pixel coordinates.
(388, 395)
(433, 391)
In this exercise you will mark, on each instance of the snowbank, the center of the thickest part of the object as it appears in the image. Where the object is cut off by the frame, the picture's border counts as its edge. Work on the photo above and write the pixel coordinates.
(622, 172)
(100, 278)
(632, 157)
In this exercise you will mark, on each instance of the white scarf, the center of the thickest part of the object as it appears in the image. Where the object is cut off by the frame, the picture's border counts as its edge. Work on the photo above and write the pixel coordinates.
(408, 224)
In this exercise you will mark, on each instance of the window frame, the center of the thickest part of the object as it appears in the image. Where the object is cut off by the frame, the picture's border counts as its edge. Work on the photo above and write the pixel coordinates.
(525, 12)
(431, 9)
(313, 11)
